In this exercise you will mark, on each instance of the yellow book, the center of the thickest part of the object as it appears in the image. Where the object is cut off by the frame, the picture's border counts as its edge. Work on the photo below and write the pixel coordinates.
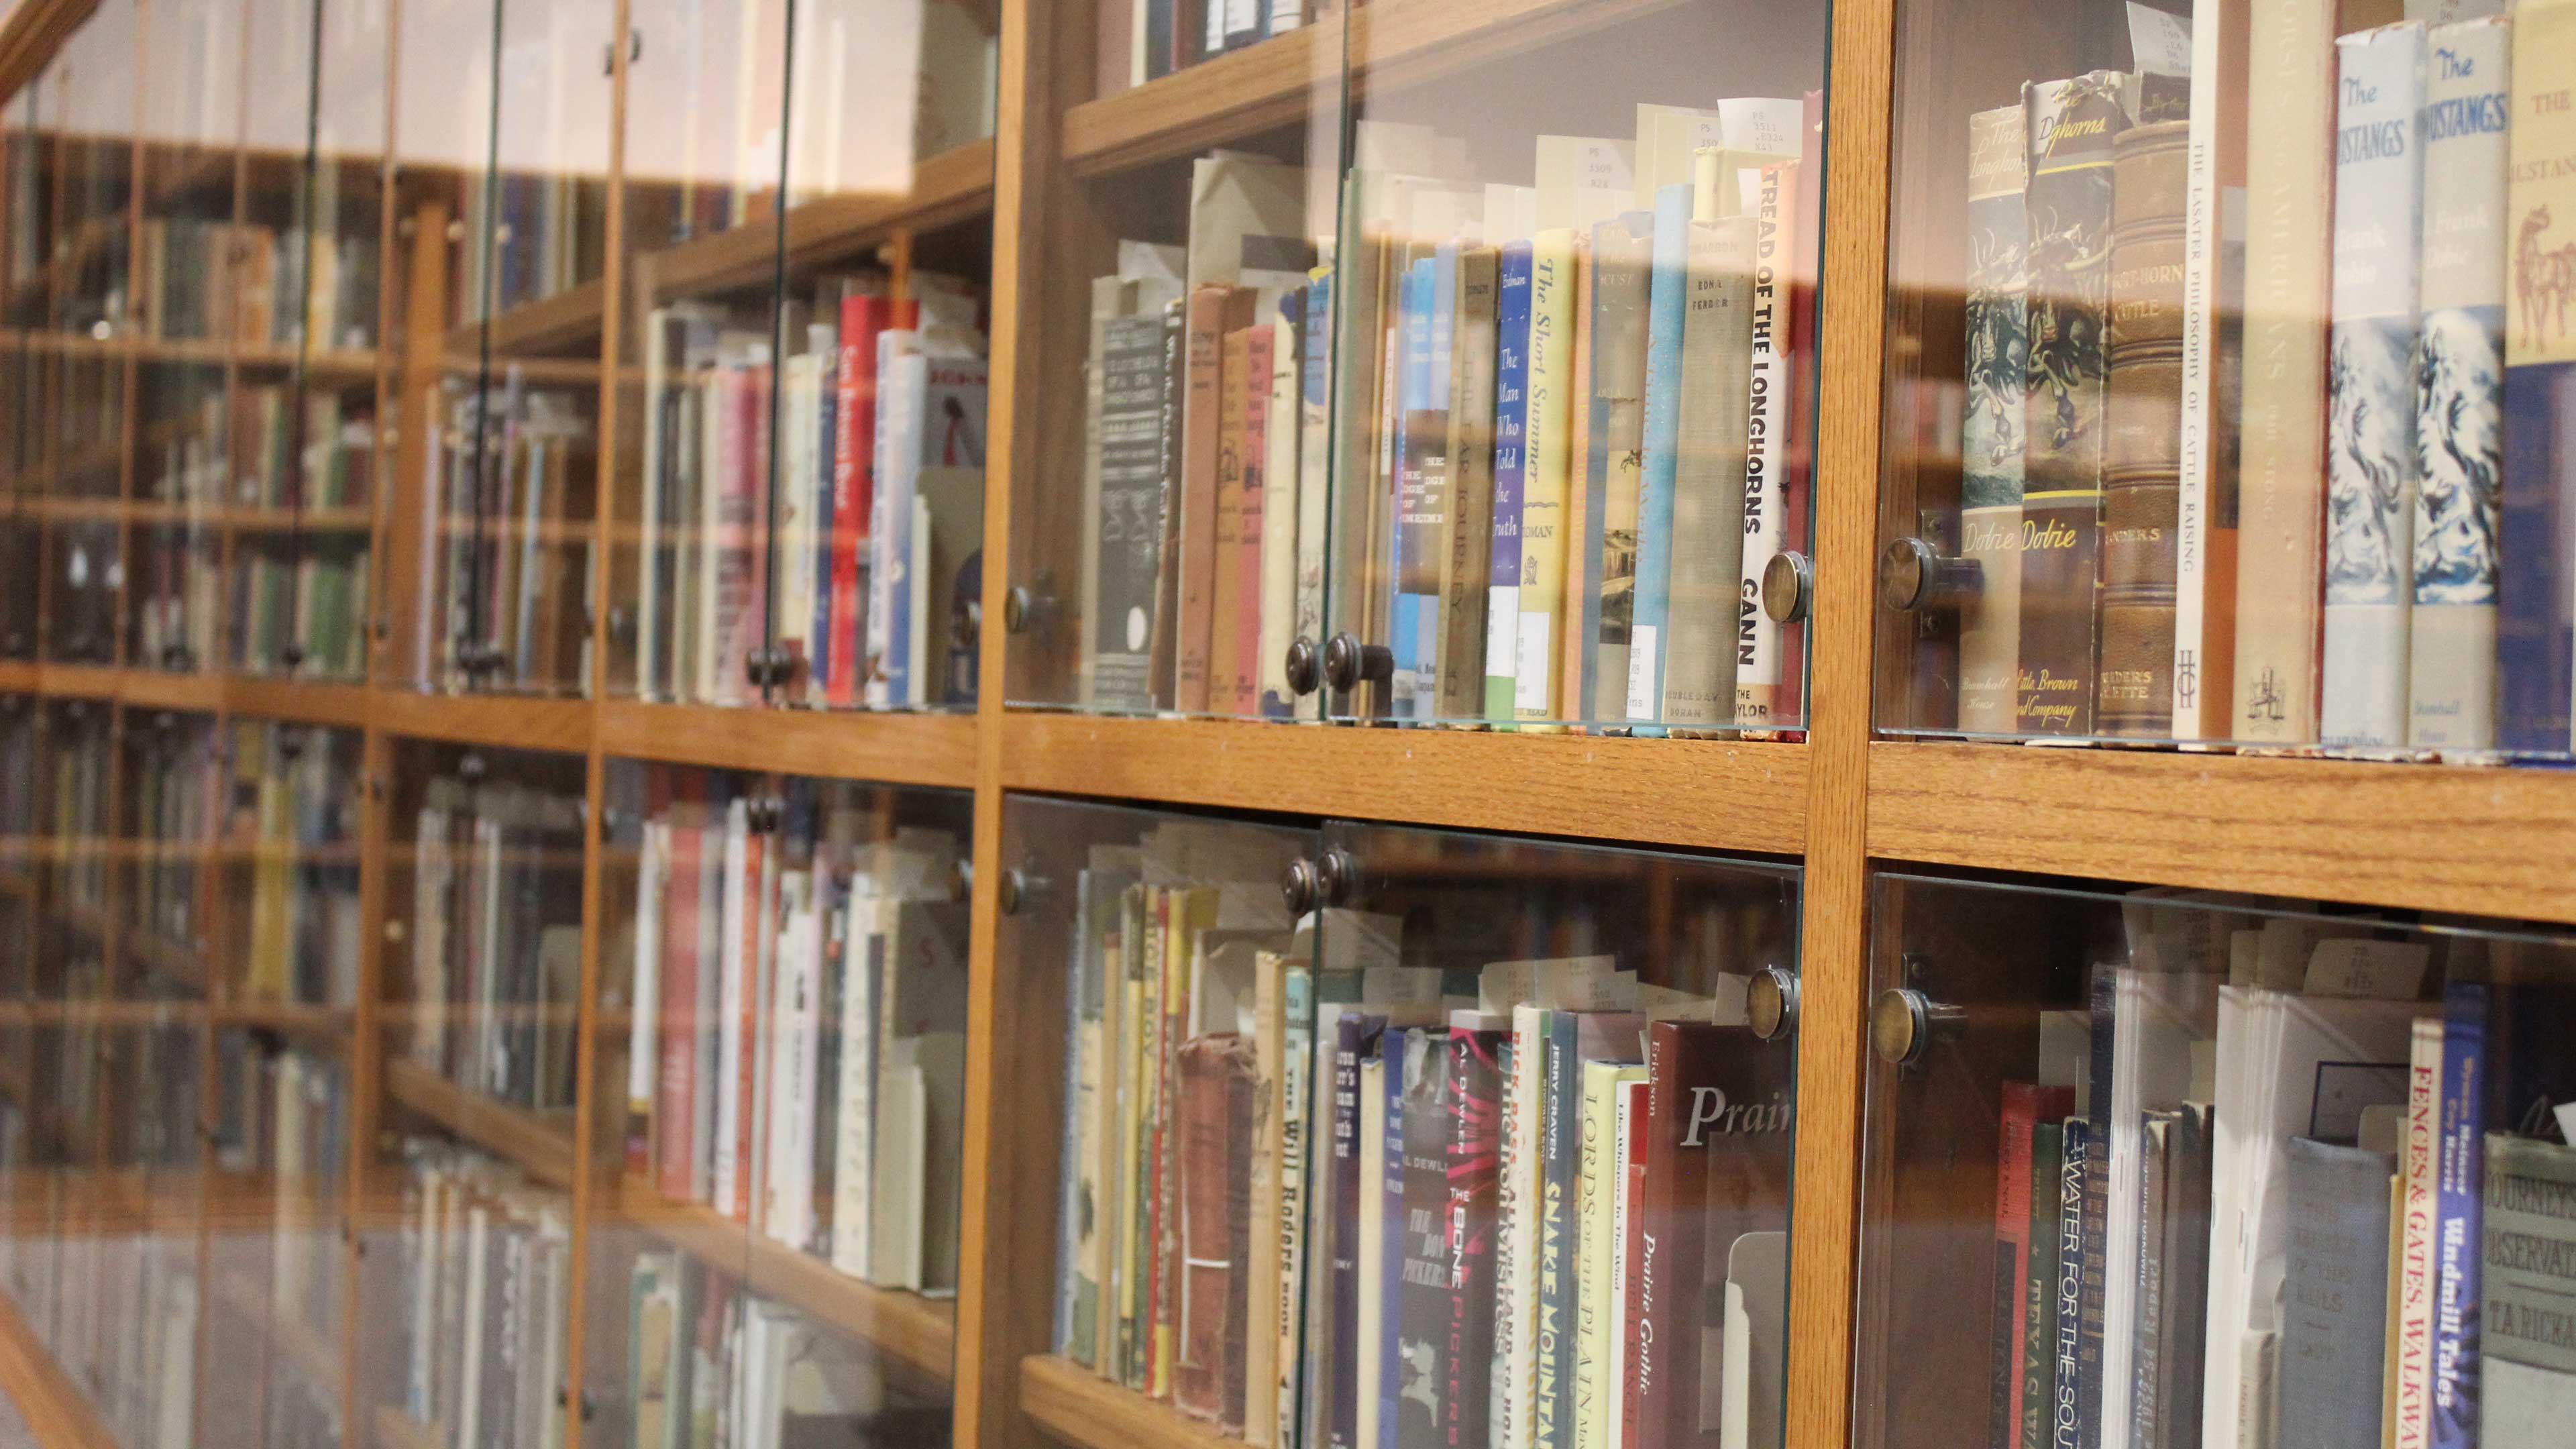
(1547, 438)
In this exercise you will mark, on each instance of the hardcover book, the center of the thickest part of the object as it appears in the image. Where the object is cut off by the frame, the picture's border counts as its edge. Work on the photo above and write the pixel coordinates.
(2143, 397)
(2370, 386)
(2073, 126)
(2335, 1295)
(1709, 461)
(1548, 458)
(2533, 625)
(1622, 251)
(1511, 473)
(1467, 1340)
(1765, 676)
(2527, 1377)
(1990, 435)
(1650, 625)
(1133, 500)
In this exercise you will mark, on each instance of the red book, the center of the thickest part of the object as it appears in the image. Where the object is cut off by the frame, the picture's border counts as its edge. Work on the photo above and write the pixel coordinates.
(1215, 1111)
(2024, 1104)
(854, 428)
(1634, 1332)
(675, 1109)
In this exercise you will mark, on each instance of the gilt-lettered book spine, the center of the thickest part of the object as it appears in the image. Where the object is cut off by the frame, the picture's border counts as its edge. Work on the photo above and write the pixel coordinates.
(2533, 604)
(2370, 392)
(2459, 387)
(1131, 513)
(1990, 439)
(2288, 276)
(2073, 125)
(2142, 467)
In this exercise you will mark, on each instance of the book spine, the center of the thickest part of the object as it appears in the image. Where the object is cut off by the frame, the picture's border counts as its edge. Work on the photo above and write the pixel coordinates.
(1628, 1223)
(1622, 250)
(1129, 523)
(1516, 1253)
(1215, 1110)
(2038, 1285)
(2021, 1104)
(1560, 1136)
(2457, 1203)
(1353, 1037)
(1468, 1338)
(1709, 456)
(2094, 1368)
(1595, 1280)
(1760, 668)
(2141, 472)
(1314, 455)
(2147, 1411)
(2334, 1292)
(1668, 279)
(1546, 424)
(1422, 484)
(1296, 1187)
(1170, 452)
(2370, 393)
(2529, 1238)
(1466, 559)
(1281, 427)
(1408, 1300)
(2459, 387)
(2069, 1428)
(1511, 475)
(2073, 125)
(1202, 422)
(2410, 1418)
(1238, 540)
(2533, 659)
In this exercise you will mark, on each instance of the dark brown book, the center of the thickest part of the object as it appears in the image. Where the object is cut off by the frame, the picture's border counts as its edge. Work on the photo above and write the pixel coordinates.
(1214, 310)
(1216, 1108)
(2142, 464)
(1681, 1059)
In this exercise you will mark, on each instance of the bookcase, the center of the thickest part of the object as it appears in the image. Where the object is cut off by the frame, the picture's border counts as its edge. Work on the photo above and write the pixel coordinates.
(1269, 726)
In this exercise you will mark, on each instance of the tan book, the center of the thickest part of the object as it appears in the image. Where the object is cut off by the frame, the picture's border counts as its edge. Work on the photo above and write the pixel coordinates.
(1467, 552)
(1213, 312)
(1225, 611)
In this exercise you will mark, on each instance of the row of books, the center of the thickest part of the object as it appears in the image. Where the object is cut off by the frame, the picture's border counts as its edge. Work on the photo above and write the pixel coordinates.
(178, 593)
(853, 553)
(528, 235)
(710, 1363)
(301, 608)
(293, 801)
(176, 788)
(245, 283)
(125, 1330)
(1559, 430)
(2292, 488)
(513, 563)
(797, 1056)
(1357, 1203)
(482, 1269)
(2264, 1192)
(243, 453)
(496, 939)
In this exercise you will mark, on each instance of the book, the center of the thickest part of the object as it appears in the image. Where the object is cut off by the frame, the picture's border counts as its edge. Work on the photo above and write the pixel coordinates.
(1622, 251)
(2039, 1288)
(2411, 1326)
(1282, 425)
(1765, 678)
(1991, 431)
(1598, 1175)
(2459, 389)
(1548, 459)
(1133, 487)
(2370, 382)
(2074, 126)
(2334, 1295)
(2527, 1368)
(1215, 311)
(1355, 1040)
(1667, 302)
(1217, 1089)
(2210, 441)
(1626, 1325)
(1472, 1183)
(2142, 389)
(1511, 474)
(1466, 548)
(2018, 1187)
(1710, 448)
(2534, 676)
(2458, 1204)
(2069, 1427)
(1237, 560)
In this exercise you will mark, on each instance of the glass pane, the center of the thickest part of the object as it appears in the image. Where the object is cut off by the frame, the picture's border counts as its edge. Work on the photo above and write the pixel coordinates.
(2198, 417)
(25, 219)
(29, 1173)
(765, 549)
(1550, 1107)
(1573, 393)
(1168, 548)
(467, 1172)
(781, 1104)
(2170, 1163)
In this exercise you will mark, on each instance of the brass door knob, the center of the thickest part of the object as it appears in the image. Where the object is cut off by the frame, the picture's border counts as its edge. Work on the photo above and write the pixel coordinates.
(1788, 587)
(1771, 1002)
(1903, 1024)
(1913, 576)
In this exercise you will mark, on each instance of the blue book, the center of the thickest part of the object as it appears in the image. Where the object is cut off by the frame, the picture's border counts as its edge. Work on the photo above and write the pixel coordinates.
(1415, 567)
(1392, 1050)
(1511, 476)
(2459, 1178)
(1668, 285)
(2533, 608)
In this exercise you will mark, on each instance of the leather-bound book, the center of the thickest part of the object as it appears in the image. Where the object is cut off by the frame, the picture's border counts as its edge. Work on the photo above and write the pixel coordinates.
(2142, 463)
(1215, 1104)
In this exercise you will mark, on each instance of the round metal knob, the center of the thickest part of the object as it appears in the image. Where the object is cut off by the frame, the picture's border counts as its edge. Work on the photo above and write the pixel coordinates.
(1337, 872)
(1788, 585)
(1903, 1023)
(1771, 1002)
(1024, 608)
(1913, 576)
(1347, 662)
(1017, 890)
(961, 879)
(1301, 886)
(1305, 665)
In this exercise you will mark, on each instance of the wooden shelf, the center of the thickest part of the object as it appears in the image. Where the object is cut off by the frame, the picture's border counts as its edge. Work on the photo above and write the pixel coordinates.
(1081, 1408)
(948, 187)
(2499, 841)
(57, 1411)
(216, 517)
(918, 1332)
(499, 721)
(896, 747)
(1708, 793)
(540, 1143)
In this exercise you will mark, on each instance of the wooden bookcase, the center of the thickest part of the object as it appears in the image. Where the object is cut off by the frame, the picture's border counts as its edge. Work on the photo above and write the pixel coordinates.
(2485, 841)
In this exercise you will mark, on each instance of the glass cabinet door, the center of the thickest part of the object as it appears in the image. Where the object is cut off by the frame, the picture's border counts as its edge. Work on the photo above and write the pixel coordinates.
(74, 949)
(801, 480)
(780, 1088)
(465, 1174)
(1573, 395)
(1167, 553)
(27, 1168)
(2172, 1166)
(1562, 1089)
(23, 222)
(2211, 415)
(89, 108)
